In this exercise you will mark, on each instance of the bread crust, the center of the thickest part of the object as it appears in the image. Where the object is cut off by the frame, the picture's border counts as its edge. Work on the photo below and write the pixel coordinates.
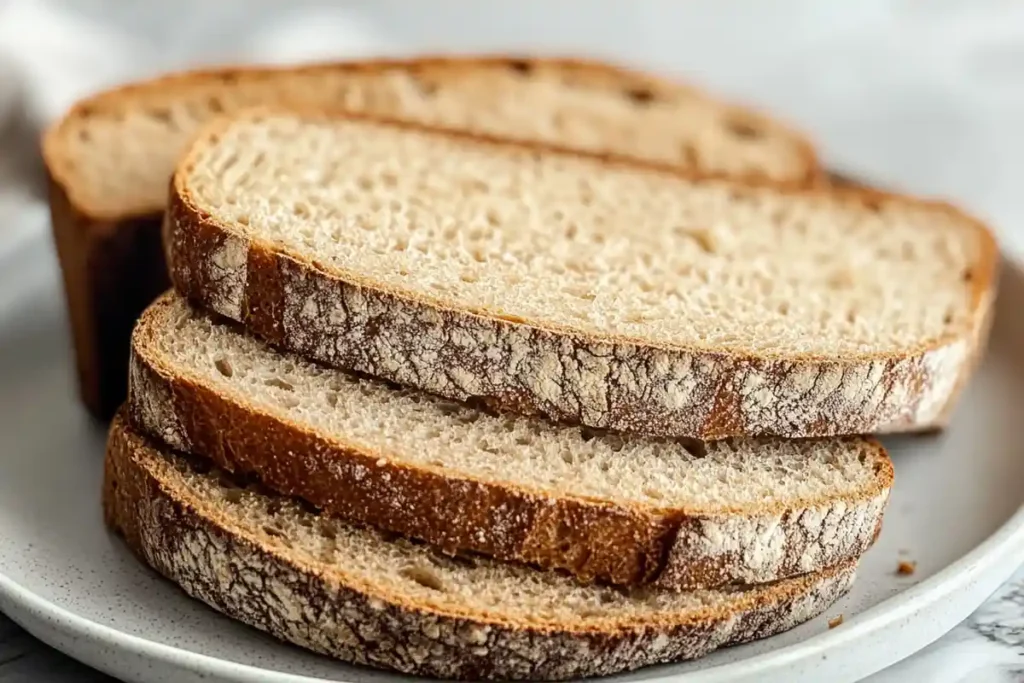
(110, 261)
(111, 270)
(255, 579)
(348, 321)
(594, 539)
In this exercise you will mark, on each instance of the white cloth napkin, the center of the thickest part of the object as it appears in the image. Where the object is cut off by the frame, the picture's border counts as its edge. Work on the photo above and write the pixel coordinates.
(50, 56)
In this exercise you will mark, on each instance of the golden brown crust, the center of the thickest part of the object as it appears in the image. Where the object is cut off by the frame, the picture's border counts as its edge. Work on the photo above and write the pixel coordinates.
(606, 381)
(111, 270)
(248, 578)
(619, 542)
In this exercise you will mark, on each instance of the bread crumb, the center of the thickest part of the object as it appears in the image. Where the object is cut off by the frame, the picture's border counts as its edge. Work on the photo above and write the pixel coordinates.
(835, 621)
(905, 568)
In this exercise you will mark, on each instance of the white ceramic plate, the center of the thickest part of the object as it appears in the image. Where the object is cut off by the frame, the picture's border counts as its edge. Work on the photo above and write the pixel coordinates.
(956, 511)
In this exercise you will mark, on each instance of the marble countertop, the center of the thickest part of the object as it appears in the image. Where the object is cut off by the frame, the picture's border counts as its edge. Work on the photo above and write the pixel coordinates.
(922, 96)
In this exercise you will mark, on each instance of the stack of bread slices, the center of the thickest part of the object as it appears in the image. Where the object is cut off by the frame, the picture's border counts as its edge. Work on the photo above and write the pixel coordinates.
(506, 369)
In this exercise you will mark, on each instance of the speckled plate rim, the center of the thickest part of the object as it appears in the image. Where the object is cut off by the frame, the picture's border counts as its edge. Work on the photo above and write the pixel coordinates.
(935, 605)
(982, 570)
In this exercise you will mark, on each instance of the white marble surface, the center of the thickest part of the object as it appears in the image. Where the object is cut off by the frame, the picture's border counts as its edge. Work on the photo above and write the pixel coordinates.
(924, 95)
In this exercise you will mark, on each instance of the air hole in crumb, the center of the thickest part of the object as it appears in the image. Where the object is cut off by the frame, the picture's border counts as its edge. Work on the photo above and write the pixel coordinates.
(474, 185)
(469, 277)
(365, 183)
(784, 308)
(161, 115)
(224, 367)
(745, 130)
(279, 383)
(567, 457)
(842, 279)
(570, 231)
(84, 135)
(653, 493)
(479, 255)
(332, 399)
(520, 66)
(587, 434)
(426, 88)
(967, 275)
(524, 440)
(689, 154)
(704, 240)
(233, 495)
(424, 577)
(640, 95)
(873, 204)
(273, 531)
(851, 316)
(493, 219)
(243, 219)
(389, 179)
(948, 318)
(604, 465)
(306, 521)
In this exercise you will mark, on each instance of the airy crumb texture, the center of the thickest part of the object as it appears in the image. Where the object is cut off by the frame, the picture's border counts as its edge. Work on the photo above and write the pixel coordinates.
(114, 153)
(568, 242)
(408, 573)
(412, 428)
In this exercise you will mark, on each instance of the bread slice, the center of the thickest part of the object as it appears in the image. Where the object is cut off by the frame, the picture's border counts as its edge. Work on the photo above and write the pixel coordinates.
(623, 510)
(593, 291)
(110, 157)
(358, 595)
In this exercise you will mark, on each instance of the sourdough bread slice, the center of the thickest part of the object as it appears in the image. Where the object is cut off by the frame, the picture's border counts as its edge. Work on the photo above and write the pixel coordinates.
(110, 157)
(593, 291)
(355, 594)
(623, 510)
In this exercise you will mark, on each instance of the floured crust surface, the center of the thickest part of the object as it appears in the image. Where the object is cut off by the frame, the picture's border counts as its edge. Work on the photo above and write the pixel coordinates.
(346, 319)
(231, 549)
(649, 531)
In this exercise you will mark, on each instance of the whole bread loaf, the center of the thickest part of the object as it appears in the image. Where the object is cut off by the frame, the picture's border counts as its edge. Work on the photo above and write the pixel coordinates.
(367, 598)
(667, 512)
(110, 157)
(592, 290)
